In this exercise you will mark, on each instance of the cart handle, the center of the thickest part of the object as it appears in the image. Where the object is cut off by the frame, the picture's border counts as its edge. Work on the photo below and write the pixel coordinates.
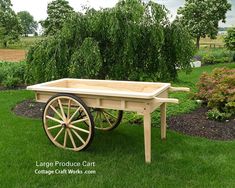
(167, 100)
(174, 89)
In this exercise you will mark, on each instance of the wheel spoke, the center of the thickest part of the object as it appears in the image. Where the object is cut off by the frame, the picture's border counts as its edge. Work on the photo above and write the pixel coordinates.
(101, 122)
(79, 129)
(96, 115)
(69, 105)
(58, 134)
(54, 119)
(61, 109)
(71, 138)
(80, 120)
(110, 114)
(53, 127)
(79, 137)
(65, 138)
(52, 107)
(74, 114)
(107, 119)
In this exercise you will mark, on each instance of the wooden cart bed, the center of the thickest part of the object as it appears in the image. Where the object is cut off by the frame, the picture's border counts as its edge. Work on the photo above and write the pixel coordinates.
(140, 97)
(130, 89)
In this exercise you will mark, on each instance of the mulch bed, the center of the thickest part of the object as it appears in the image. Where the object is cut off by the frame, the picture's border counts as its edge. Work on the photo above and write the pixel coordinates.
(194, 123)
(29, 108)
(13, 88)
(197, 124)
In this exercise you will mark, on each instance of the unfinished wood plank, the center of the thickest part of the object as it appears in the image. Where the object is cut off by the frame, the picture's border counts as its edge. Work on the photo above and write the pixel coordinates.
(163, 120)
(176, 89)
(130, 89)
(167, 100)
(147, 137)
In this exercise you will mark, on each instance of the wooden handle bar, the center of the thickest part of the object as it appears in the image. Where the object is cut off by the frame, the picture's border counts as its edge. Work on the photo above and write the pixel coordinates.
(173, 89)
(167, 100)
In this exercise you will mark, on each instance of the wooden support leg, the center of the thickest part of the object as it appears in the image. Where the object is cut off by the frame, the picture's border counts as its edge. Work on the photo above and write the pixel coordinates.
(163, 120)
(147, 137)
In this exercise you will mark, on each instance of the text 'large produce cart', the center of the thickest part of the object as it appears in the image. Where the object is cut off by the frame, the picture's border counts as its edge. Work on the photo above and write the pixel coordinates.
(74, 107)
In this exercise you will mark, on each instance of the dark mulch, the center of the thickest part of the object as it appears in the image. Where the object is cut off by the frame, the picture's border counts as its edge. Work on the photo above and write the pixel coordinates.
(197, 124)
(29, 108)
(194, 123)
(12, 88)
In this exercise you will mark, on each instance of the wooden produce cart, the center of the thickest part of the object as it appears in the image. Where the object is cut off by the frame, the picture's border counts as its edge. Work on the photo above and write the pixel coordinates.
(74, 107)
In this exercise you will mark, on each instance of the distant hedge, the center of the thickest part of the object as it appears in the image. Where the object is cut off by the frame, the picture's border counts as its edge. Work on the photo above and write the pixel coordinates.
(131, 41)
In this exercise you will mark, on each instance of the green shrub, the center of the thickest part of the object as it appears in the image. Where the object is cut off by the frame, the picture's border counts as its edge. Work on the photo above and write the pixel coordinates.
(230, 39)
(215, 55)
(12, 74)
(215, 114)
(11, 82)
(208, 59)
(218, 91)
(131, 41)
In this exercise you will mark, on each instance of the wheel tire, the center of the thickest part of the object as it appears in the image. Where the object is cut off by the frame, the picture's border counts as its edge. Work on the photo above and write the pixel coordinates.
(67, 124)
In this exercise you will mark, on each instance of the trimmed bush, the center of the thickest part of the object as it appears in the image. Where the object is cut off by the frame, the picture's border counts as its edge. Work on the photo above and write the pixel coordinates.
(217, 90)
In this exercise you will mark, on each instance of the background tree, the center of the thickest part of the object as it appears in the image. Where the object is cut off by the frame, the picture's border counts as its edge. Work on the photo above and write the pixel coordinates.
(202, 17)
(131, 41)
(58, 12)
(27, 22)
(230, 39)
(10, 27)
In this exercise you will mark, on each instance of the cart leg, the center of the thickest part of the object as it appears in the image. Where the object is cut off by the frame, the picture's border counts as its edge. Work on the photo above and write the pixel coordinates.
(147, 137)
(163, 121)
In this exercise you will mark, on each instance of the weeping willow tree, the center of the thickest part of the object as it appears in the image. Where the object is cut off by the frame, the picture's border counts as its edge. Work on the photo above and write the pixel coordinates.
(131, 41)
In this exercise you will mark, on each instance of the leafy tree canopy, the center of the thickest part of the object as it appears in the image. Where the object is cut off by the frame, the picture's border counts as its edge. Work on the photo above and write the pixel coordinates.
(58, 12)
(27, 22)
(202, 17)
(230, 39)
(10, 27)
(131, 41)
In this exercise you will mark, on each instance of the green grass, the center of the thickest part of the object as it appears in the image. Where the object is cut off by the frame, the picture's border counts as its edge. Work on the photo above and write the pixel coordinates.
(180, 161)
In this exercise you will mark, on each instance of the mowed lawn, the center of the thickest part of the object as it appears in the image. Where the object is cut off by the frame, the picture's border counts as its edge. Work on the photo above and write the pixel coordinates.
(180, 161)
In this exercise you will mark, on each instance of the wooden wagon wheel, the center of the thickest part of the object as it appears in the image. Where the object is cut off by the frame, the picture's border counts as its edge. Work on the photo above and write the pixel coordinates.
(106, 119)
(61, 126)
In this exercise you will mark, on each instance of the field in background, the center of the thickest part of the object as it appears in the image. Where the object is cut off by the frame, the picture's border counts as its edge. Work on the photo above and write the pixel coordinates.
(11, 55)
(23, 43)
(212, 43)
(16, 52)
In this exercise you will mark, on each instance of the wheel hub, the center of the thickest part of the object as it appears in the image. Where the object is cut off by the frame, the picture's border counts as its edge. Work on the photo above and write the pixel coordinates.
(64, 125)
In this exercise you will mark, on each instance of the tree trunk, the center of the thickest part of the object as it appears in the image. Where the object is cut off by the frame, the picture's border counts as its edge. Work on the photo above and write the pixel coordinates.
(198, 42)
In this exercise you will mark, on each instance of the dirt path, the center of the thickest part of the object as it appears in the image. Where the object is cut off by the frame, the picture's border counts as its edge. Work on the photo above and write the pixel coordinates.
(12, 55)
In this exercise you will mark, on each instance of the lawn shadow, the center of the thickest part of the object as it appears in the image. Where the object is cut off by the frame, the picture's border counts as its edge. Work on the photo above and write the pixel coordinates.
(116, 140)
